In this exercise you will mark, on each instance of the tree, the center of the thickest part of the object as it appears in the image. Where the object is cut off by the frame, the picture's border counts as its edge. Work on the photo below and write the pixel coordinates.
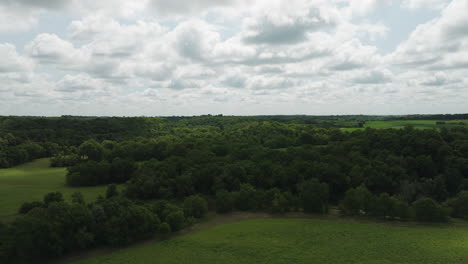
(164, 228)
(224, 202)
(195, 206)
(460, 205)
(245, 198)
(53, 197)
(78, 198)
(91, 150)
(28, 206)
(428, 210)
(176, 220)
(314, 197)
(357, 201)
(111, 191)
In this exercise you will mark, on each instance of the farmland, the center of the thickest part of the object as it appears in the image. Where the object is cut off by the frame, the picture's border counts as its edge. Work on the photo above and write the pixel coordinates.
(31, 181)
(285, 240)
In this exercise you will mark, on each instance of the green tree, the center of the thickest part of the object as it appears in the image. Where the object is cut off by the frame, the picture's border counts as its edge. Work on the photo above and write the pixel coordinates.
(314, 197)
(195, 206)
(224, 202)
(428, 210)
(357, 201)
(91, 150)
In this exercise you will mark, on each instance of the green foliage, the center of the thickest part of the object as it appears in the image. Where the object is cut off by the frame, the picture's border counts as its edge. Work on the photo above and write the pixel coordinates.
(164, 228)
(195, 206)
(28, 206)
(224, 202)
(78, 198)
(53, 197)
(357, 201)
(111, 191)
(245, 198)
(460, 205)
(427, 210)
(91, 150)
(176, 220)
(314, 197)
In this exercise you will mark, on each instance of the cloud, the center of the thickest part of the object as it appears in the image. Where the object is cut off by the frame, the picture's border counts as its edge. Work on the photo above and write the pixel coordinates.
(11, 61)
(51, 49)
(374, 77)
(164, 7)
(14, 19)
(79, 82)
(288, 23)
(431, 4)
(195, 39)
(440, 43)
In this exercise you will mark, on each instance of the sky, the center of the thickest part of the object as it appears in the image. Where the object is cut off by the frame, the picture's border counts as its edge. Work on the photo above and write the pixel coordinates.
(233, 57)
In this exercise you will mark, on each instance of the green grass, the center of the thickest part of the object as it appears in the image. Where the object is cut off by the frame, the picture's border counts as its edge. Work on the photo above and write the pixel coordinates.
(398, 124)
(31, 181)
(272, 241)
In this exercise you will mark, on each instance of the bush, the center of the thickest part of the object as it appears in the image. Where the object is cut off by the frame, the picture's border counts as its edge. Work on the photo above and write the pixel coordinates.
(53, 197)
(460, 205)
(357, 201)
(428, 210)
(195, 206)
(176, 220)
(245, 198)
(28, 206)
(224, 202)
(164, 228)
(111, 191)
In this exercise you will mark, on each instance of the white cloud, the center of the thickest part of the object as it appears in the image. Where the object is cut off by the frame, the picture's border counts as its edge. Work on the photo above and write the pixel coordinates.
(289, 22)
(51, 49)
(11, 61)
(229, 56)
(440, 43)
(430, 4)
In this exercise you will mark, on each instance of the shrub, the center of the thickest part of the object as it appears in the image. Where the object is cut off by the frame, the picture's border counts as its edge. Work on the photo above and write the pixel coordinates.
(428, 210)
(460, 205)
(224, 202)
(195, 206)
(164, 228)
(28, 206)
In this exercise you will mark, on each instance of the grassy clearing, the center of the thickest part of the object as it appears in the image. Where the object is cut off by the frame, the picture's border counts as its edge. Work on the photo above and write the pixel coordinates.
(31, 181)
(287, 240)
(418, 124)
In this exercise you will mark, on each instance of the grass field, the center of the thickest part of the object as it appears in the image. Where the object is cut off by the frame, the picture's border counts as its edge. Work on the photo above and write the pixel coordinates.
(288, 240)
(418, 124)
(31, 181)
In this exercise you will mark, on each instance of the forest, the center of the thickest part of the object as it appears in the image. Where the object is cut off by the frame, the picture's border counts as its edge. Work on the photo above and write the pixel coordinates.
(164, 174)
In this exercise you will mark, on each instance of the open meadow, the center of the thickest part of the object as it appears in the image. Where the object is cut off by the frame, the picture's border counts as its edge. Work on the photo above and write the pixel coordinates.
(31, 181)
(289, 240)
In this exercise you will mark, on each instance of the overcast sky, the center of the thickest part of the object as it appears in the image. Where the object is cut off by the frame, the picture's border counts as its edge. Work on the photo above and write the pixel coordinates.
(181, 57)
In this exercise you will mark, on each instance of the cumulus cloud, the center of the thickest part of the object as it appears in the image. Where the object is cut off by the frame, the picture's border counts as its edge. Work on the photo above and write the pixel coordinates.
(51, 49)
(230, 56)
(440, 43)
(430, 4)
(373, 77)
(288, 22)
(79, 82)
(11, 61)
(187, 7)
